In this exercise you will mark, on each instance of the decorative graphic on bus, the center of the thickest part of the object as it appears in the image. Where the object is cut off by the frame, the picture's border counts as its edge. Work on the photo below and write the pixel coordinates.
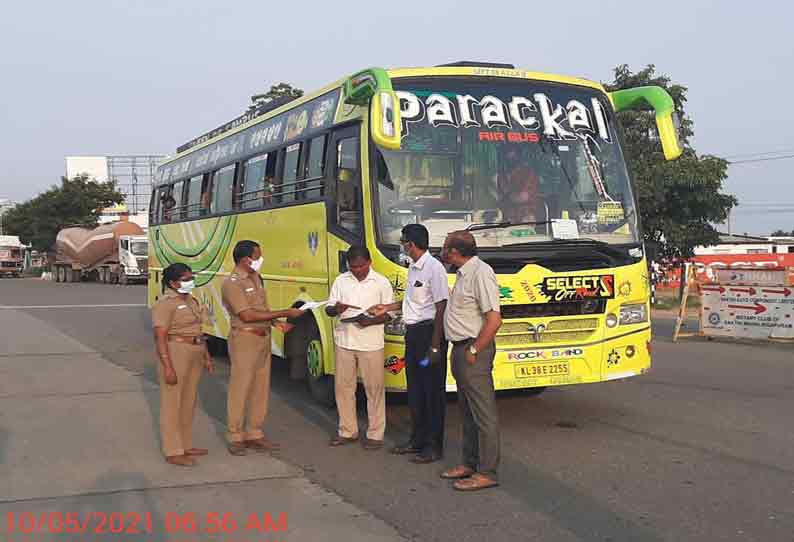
(394, 364)
(583, 287)
(538, 113)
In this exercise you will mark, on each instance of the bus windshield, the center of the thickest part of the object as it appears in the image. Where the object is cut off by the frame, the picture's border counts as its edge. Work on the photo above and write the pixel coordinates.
(514, 161)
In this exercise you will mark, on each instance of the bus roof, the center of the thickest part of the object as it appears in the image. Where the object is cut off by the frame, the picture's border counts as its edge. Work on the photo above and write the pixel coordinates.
(240, 123)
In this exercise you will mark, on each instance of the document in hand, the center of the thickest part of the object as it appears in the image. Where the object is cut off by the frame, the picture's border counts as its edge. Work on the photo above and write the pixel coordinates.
(358, 318)
(312, 305)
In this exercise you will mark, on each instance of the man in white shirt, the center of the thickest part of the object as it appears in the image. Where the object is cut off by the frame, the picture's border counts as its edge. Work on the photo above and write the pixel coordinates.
(359, 346)
(423, 308)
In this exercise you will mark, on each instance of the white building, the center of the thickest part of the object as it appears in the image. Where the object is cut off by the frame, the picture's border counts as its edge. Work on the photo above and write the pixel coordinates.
(747, 244)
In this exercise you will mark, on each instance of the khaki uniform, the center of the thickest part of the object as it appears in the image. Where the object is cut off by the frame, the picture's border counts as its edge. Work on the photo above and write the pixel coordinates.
(183, 317)
(250, 355)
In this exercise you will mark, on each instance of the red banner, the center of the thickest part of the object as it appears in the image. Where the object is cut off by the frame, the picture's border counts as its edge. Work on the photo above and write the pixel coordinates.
(705, 265)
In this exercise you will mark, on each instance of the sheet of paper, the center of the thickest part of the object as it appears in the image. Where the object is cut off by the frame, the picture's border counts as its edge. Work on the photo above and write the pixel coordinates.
(312, 305)
(563, 228)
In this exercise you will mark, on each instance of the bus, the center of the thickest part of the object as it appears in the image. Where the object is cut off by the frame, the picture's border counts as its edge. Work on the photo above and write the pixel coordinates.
(530, 163)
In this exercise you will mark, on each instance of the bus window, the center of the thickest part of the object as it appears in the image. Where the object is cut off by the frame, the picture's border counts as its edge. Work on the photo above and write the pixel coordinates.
(289, 185)
(153, 207)
(175, 212)
(348, 186)
(315, 168)
(206, 195)
(164, 204)
(193, 199)
(258, 175)
(224, 189)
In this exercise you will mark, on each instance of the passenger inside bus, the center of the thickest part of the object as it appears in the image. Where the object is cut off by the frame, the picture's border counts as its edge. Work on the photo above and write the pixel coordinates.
(519, 188)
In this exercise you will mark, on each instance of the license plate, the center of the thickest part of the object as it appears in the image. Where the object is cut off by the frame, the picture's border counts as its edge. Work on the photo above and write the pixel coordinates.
(539, 370)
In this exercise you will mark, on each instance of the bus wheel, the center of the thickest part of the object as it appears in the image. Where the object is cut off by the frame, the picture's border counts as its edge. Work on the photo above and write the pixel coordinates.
(320, 384)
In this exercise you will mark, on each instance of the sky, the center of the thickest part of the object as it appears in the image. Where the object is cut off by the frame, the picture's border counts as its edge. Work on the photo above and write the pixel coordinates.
(93, 77)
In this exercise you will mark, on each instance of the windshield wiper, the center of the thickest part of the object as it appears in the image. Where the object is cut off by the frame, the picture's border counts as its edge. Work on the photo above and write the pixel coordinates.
(495, 225)
(613, 253)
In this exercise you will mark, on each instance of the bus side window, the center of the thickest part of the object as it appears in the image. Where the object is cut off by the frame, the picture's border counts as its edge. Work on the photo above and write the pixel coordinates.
(224, 189)
(314, 167)
(348, 186)
(193, 197)
(206, 195)
(290, 186)
(165, 204)
(154, 207)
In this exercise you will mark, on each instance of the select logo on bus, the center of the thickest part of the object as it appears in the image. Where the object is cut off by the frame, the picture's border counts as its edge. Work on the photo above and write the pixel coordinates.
(573, 288)
(394, 364)
(544, 354)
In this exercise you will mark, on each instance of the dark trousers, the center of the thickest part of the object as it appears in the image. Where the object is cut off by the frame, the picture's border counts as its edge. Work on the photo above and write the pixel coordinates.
(477, 400)
(427, 398)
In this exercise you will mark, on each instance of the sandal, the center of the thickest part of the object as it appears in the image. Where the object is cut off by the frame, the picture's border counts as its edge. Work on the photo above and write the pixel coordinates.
(475, 482)
(341, 441)
(456, 473)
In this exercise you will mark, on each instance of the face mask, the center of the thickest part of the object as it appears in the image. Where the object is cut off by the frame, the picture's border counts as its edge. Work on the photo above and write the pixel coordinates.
(256, 265)
(404, 257)
(185, 287)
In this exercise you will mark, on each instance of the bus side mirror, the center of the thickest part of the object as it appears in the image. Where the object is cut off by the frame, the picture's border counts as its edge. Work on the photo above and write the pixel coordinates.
(667, 122)
(373, 87)
(384, 120)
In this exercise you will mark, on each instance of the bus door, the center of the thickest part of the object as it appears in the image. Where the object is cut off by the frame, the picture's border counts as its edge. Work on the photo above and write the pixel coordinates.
(345, 202)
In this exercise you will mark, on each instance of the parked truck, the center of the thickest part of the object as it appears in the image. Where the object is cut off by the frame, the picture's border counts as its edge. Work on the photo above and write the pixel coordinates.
(110, 253)
(12, 256)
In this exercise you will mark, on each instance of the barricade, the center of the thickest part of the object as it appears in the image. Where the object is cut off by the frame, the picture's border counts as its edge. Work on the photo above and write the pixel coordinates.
(748, 303)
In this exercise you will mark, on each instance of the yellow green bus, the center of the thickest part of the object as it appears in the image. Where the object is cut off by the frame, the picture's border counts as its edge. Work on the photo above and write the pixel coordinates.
(530, 163)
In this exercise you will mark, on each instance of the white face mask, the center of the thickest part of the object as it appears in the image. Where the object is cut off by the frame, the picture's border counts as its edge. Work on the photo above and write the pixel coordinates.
(256, 265)
(185, 287)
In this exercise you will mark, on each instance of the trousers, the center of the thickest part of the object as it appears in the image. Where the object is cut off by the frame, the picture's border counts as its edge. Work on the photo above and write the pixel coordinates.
(178, 402)
(249, 386)
(370, 364)
(427, 398)
(477, 399)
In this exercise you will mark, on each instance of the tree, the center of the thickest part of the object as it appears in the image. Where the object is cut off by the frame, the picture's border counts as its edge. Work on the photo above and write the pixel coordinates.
(679, 200)
(781, 233)
(280, 91)
(79, 200)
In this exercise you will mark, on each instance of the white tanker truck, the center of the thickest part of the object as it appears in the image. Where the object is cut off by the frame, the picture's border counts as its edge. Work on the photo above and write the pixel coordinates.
(110, 253)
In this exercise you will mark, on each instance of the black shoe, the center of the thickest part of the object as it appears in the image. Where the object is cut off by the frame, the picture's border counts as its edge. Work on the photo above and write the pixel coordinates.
(407, 448)
(427, 457)
(370, 444)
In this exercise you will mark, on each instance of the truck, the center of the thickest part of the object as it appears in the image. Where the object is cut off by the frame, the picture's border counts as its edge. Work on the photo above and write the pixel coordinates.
(12, 255)
(115, 253)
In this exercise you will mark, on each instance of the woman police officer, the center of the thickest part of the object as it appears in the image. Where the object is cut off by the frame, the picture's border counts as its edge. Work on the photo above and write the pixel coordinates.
(177, 318)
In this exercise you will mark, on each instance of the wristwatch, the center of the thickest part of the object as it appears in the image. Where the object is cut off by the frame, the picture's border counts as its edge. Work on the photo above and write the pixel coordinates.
(473, 350)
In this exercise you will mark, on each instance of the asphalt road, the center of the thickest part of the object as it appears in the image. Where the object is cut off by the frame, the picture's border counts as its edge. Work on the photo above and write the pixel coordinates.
(701, 448)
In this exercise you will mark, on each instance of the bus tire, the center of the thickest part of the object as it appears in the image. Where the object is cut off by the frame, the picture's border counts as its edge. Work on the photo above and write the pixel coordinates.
(123, 280)
(320, 385)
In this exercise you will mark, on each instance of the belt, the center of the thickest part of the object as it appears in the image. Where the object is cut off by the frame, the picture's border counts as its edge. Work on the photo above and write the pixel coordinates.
(198, 339)
(423, 323)
(261, 331)
(458, 343)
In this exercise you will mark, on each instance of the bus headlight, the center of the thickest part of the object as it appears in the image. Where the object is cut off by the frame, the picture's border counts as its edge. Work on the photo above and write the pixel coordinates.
(395, 326)
(611, 320)
(633, 314)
